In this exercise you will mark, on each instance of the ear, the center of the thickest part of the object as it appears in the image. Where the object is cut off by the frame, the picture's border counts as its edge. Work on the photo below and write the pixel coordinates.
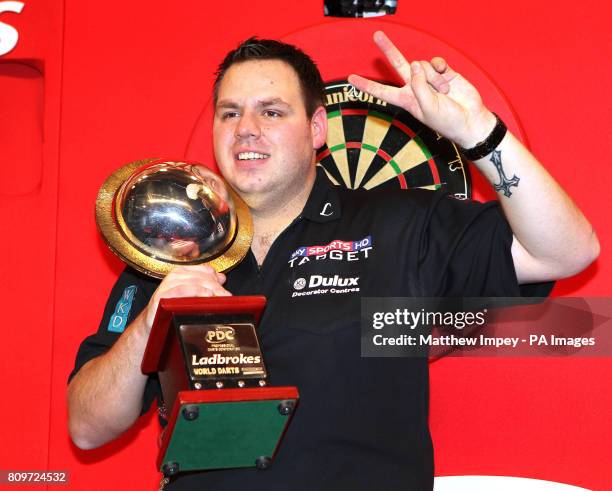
(318, 127)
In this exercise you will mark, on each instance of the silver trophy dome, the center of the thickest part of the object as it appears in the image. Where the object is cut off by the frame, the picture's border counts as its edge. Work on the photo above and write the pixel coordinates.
(166, 213)
(177, 212)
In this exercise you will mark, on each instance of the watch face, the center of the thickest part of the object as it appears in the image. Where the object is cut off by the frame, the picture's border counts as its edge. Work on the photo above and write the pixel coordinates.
(371, 143)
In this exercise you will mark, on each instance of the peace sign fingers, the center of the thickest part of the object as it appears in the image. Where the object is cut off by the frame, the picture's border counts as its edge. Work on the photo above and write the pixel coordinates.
(402, 97)
(393, 55)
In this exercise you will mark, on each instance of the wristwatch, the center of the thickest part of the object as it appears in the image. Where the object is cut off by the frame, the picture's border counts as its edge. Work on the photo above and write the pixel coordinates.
(490, 143)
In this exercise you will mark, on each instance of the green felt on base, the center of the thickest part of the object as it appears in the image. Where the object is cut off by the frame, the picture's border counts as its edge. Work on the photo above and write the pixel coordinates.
(226, 435)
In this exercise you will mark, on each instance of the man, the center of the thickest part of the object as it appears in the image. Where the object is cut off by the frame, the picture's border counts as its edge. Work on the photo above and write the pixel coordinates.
(362, 422)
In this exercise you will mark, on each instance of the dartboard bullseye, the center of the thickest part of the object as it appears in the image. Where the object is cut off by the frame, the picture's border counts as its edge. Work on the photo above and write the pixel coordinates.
(371, 143)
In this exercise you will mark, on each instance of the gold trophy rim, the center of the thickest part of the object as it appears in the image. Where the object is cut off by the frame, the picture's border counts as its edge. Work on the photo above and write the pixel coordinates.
(116, 241)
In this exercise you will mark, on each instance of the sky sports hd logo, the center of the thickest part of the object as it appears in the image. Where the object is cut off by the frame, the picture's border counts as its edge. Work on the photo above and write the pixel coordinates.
(336, 250)
(317, 284)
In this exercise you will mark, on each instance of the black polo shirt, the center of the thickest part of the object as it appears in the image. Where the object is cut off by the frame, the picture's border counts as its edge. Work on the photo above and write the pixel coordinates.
(362, 422)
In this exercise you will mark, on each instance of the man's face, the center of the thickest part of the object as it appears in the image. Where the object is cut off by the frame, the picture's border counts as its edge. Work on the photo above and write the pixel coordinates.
(264, 142)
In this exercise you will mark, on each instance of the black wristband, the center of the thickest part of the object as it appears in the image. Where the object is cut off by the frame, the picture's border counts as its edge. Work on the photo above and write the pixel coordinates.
(490, 143)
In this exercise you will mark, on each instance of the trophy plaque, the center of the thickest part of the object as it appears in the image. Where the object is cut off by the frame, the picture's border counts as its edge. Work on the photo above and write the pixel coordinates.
(156, 214)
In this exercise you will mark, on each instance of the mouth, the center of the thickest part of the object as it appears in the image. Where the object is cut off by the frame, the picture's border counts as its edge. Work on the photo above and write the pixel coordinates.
(251, 156)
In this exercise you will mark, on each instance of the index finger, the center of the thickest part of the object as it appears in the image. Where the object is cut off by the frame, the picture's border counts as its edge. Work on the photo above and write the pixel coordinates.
(394, 55)
(381, 91)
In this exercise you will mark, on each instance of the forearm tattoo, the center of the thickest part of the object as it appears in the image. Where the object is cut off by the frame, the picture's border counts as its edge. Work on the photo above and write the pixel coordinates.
(504, 183)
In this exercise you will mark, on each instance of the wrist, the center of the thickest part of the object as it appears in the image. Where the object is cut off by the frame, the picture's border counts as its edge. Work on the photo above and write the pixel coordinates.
(143, 323)
(478, 131)
(488, 144)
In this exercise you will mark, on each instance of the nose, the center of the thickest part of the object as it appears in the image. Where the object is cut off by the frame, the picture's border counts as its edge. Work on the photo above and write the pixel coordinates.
(248, 127)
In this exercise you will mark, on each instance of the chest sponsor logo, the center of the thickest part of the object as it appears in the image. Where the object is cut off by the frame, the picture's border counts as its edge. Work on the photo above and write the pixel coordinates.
(336, 250)
(299, 284)
(317, 284)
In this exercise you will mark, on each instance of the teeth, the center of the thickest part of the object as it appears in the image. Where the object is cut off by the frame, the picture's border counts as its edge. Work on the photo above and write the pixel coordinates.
(251, 156)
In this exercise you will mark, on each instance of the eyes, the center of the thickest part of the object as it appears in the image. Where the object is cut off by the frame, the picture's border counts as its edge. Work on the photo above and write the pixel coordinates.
(271, 113)
(266, 114)
(229, 115)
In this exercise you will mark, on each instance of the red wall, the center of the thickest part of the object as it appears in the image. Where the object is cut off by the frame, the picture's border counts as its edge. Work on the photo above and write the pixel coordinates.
(93, 85)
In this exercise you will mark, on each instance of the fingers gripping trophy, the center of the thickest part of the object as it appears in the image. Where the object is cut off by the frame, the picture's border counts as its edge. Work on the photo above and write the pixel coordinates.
(158, 216)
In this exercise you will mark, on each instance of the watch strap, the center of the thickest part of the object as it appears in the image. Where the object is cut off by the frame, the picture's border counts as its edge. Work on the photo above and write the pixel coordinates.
(490, 143)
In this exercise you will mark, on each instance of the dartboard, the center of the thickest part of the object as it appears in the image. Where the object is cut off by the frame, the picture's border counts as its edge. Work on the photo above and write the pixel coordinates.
(371, 143)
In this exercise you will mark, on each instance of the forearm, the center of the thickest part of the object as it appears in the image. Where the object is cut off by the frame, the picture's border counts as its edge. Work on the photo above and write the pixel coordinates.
(553, 239)
(105, 396)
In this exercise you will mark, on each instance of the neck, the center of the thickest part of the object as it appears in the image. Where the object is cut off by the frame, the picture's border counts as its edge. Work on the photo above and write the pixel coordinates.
(273, 215)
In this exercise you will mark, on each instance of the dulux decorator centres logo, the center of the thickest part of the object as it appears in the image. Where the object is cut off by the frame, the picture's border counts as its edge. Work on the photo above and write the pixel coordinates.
(332, 284)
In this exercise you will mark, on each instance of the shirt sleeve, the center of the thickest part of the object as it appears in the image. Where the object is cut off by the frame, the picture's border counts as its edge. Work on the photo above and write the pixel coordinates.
(127, 299)
(466, 252)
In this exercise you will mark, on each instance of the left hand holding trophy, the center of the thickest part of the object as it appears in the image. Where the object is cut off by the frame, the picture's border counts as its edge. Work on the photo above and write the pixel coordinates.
(156, 214)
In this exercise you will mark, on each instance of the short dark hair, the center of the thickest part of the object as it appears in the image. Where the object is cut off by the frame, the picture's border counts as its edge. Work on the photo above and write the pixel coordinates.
(253, 49)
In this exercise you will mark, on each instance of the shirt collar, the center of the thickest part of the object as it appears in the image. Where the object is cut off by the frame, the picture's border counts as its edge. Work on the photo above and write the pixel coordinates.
(323, 204)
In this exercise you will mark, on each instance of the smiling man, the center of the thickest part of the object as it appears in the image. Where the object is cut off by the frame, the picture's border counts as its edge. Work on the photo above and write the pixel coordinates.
(264, 139)
(317, 249)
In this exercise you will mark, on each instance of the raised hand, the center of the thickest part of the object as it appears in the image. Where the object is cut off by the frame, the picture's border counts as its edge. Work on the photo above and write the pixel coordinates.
(434, 94)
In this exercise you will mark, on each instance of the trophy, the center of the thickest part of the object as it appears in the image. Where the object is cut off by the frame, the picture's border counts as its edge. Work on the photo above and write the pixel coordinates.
(156, 214)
